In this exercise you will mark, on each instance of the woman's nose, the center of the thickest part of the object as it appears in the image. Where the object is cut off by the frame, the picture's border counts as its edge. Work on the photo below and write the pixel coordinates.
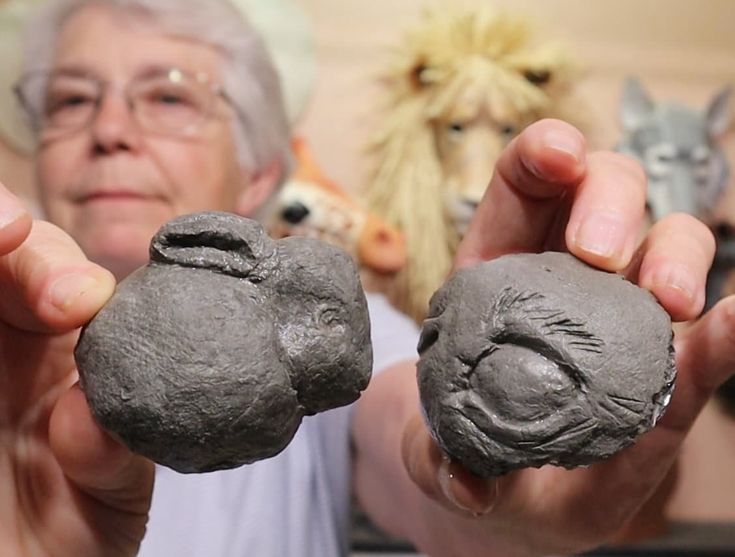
(113, 126)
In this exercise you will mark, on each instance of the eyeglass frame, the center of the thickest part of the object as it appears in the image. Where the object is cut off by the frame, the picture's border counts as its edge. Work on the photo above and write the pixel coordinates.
(103, 85)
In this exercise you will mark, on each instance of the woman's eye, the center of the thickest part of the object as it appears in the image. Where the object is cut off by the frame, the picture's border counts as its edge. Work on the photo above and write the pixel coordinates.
(74, 100)
(170, 99)
(166, 95)
(67, 101)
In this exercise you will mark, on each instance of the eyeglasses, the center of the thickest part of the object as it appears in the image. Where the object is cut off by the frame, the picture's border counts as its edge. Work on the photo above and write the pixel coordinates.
(171, 102)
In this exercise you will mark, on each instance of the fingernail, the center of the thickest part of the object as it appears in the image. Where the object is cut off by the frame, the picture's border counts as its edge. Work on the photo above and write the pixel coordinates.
(69, 288)
(479, 495)
(677, 277)
(602, 234)
(566, 143)
(10, 215)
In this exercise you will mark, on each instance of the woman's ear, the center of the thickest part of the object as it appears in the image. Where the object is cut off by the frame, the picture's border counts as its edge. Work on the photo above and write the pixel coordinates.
(258, 190)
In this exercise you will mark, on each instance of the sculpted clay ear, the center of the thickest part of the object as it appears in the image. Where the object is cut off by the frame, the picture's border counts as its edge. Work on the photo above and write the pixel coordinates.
(221, 242)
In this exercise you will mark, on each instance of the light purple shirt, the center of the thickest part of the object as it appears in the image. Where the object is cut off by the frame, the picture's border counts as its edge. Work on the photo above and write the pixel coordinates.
(293, 505)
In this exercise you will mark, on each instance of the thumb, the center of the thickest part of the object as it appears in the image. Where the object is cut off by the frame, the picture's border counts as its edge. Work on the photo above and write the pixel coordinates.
(48, 283)
(707, 348)
(705, 359)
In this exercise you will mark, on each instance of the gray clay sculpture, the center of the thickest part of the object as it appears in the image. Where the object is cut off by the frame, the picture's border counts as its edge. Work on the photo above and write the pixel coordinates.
(209, 357)
(540, 359)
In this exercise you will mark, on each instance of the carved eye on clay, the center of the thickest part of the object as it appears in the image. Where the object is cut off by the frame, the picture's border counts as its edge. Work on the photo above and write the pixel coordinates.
(508, 378)
(538, 359)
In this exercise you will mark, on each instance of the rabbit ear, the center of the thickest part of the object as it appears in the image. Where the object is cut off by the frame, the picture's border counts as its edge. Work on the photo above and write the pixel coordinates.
(222, 242)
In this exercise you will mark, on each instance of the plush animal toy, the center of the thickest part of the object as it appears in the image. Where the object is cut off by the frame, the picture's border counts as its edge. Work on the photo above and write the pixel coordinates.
(463, 83)
(312, 205)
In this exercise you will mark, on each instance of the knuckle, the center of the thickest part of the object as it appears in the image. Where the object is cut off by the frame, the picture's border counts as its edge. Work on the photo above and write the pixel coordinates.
(44, 230)
(722, 366)
(631, 166)
(683, 226)
(46, 250)
(626, 167)
(545, 123)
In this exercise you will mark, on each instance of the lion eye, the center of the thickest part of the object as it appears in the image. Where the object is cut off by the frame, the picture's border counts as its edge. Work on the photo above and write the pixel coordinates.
(537, 77)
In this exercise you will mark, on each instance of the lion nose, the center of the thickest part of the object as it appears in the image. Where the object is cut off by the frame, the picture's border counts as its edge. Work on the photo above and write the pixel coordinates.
(295, 212)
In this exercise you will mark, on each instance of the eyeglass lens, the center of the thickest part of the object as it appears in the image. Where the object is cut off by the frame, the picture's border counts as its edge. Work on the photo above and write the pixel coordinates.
(169, 103)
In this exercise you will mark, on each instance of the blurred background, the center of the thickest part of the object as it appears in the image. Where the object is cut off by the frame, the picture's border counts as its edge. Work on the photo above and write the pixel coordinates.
(680, 49)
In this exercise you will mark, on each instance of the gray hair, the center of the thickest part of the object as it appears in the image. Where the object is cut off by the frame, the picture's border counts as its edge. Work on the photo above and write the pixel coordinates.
(250, 79)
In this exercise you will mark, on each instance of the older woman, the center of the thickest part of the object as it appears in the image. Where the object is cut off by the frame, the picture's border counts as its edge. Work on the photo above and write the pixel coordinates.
(147, 109)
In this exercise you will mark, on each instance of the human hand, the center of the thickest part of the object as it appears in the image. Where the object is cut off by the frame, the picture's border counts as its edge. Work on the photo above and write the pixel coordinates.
(67, 487)
(549, 194)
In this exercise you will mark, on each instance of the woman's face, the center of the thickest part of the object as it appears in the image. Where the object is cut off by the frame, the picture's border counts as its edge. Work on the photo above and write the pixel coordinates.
(111, 184)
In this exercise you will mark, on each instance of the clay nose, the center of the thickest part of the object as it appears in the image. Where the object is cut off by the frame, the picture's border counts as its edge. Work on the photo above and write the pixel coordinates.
(295, 212)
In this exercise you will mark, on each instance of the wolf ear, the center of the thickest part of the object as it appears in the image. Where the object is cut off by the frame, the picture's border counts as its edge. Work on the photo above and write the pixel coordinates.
(635, 104)
(718, 113)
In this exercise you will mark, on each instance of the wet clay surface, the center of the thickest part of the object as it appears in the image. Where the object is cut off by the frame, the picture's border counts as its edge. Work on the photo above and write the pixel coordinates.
(209, 357)
(540, 359)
